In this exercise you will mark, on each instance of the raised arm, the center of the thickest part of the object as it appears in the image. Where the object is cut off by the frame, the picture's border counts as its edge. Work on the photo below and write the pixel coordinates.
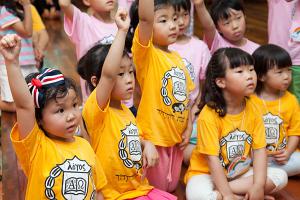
(146, 19)
(24, 28)
(10, 49)
(111, 66)
(67, 8)
(209, 28)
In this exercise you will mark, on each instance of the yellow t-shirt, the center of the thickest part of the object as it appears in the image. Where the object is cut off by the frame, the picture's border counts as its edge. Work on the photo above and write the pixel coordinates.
(229, 137)
(165, 85)
(37, 23)
(281, 118)
(57, 169)
(115, 139)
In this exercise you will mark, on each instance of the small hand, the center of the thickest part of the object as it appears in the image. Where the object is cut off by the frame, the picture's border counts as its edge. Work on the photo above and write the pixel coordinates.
(281, 156)
(255, 193)
(197, 2)
(150, 154)
(24, 2)
(185, 138)
(10, 46)
(122, 20)
(229, 197)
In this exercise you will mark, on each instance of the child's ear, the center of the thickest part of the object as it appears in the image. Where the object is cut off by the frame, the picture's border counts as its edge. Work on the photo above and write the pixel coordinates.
(94, 81)
(220, 82)
(86, 2)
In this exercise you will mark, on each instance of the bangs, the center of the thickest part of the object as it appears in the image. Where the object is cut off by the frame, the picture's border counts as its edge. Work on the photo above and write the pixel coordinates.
(237, 57)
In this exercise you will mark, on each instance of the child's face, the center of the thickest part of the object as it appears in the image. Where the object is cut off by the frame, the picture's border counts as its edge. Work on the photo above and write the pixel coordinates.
(239, 81)
(100, 5)
(124, 86)
(233, 28)
(61, 117)
(183, 20)
(165, 27)
(277, 80)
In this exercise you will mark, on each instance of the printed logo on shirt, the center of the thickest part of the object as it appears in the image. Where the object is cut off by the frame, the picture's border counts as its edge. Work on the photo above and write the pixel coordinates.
(178, 81)
(272, 127)
(75, 179)
(295, 35)
(190, 68)
(107, 40)
(130, 150)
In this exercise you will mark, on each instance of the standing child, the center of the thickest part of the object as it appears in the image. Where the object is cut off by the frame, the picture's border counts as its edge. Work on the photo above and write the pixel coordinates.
(280, 108)
(165, 86)
(220, 164)
(225, 26)
(112, 128)
(58, 164)
(16, 18)
(283, 30)
(196, 55)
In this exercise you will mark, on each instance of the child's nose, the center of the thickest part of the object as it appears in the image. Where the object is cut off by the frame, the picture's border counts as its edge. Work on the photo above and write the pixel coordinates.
(70, 116)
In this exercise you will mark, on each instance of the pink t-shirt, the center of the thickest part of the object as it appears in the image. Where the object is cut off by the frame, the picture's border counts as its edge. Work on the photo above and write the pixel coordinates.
(284, 26)
(220, 42)
(196, 56)
(85, 30)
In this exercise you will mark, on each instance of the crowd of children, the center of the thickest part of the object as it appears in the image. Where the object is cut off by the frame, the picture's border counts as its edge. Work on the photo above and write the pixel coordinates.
(226, 106)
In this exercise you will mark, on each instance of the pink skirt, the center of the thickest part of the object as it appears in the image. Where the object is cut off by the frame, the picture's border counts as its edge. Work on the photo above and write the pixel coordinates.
(156, 194)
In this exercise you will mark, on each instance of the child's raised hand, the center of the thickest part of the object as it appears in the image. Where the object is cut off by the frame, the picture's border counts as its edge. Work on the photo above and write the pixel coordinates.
(10, 46)
(150, 154)
(198, 2)
(24, 2)
(122, 20)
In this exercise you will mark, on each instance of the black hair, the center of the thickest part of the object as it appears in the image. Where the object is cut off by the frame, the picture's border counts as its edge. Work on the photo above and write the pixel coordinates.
(220, 9)
(134, 17)
(267, 57)
(14, 7)
(185, 4)
(92, 62)
(223, 58)
(53, 93)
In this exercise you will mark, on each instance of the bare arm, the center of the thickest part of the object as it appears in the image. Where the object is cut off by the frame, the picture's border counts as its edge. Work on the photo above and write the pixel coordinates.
(146, 19)
(99, 196)
(209, 28)
(10, 49)
(24, 28)
(111, 66)
(219, 177)
(67, 8)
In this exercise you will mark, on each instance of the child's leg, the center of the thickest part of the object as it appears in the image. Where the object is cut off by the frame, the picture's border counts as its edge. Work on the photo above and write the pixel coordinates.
(165, 175)
(295, 84)
(156, 194)
(201, 187)
(292, 167)
(276, 180)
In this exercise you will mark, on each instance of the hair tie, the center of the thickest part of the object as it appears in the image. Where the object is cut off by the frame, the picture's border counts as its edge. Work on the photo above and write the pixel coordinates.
(47, 79)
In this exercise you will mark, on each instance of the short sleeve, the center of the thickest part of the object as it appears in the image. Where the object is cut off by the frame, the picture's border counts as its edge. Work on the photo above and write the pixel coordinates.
(216, 43)
(37, 23)
(73, 28)
(258, 137)
(294, 123)
(27, 147)
(7, 18)
(204, 61)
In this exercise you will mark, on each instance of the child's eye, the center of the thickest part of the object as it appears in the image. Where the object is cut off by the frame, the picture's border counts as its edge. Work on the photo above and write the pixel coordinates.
(163, 21)
(61, 110)
(75, 105)
(175, 18)
(131, 71)
(279, 72)
(121, 74)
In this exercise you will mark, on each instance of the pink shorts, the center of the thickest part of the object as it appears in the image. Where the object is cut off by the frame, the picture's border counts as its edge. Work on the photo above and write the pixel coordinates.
(165, 175)
(156, 194)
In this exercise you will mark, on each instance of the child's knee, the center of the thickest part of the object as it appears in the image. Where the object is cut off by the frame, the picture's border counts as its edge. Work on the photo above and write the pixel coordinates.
(276, 177)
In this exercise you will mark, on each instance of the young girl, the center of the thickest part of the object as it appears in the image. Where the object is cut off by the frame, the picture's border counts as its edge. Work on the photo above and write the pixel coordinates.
(165, 87)
(225, 26)
(283, 30)
(58, 165)
(112, 128)
(280, 108)
(196, 55)
(16, 18)
(220, 164)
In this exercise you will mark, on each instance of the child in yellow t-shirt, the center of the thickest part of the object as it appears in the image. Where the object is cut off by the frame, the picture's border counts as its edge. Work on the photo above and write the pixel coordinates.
(58, 164)
(280, 108)
(112, 128)
(229, 130)
(165, 88)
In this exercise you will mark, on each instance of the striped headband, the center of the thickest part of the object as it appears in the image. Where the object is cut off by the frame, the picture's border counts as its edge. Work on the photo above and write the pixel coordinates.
(47, 79)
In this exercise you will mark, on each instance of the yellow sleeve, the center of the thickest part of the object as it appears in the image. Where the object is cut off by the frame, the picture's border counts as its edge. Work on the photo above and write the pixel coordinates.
(100, 178)
(294, 124)
(258, 137)
(208, 133)
(27, 147)
(37, 23)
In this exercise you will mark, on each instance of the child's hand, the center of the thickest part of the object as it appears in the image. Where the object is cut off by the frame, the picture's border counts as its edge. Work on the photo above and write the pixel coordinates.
(24, 2)
(150, 154)
(198, 2)
(185, 138)
(122, 20)
(255, 193)
(10, 46)
(282, 156)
